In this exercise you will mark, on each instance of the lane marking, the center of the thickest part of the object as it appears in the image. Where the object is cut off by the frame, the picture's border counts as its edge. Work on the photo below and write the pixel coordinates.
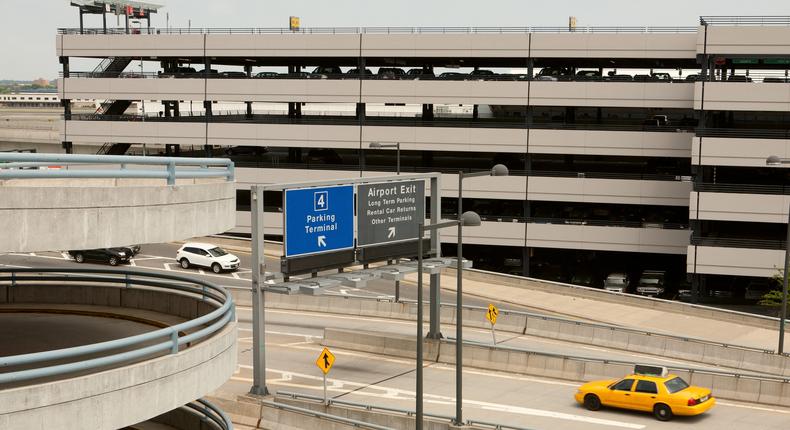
(400, 394)
(756, 408)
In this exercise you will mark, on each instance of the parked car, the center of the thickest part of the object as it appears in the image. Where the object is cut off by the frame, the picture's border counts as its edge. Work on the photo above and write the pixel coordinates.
(481, 74)
(656, 391)
(111, 256)
(206, 255)
(554, 73)
(355, 72)
(695, 77)
(588, 75)
(757, 288)
(585, 279)
(246, 150)
(391, 73)
(651, 283)
(739, 78)
(616, 282)
(661, 76)
(212, 72)
(233, 75)
(657, 121)
(325, 72)
(267, 75)
(323, 155)
(452, 76)
(619, 78)
(419, 74)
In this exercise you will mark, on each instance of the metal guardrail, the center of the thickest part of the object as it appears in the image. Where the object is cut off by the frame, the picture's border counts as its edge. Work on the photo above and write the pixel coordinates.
(343, 118)
(322, 415)
(210, 413)
(382, 30)
(137, 347)
(612, 328)
(454, 170)
(458, 77)
(764, 133)
(743, 188)
(738, 242)
(744, 20)
(407, 412)
(54, 166)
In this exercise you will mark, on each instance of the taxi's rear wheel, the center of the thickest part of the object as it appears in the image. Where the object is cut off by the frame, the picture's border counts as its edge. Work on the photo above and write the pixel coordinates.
(662, 412)
(592, 402)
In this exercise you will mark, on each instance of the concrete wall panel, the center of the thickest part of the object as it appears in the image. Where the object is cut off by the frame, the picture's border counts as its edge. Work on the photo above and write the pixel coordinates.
(607, 238)
(744, 96)
(740, 207)
(602, 45)
(55, 215)
(129, 45)
(762, 263)
(617, 143)
(613, 94)
(746, 152)
(744, 40)
(666, 193)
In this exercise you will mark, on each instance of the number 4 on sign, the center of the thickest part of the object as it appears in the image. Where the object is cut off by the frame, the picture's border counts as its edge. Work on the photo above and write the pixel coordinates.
(491, 316)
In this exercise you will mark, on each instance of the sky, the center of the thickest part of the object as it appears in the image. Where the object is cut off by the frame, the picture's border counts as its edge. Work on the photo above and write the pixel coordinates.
(27, 50)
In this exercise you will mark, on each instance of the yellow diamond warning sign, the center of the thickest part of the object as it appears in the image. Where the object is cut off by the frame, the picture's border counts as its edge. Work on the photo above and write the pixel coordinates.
(325, 361)
(492, 314)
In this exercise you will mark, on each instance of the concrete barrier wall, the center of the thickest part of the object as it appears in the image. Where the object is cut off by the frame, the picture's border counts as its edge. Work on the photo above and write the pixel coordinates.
(623, 299)
(119, 397)
(62, 214)
(120, 297)
(250, 412)
(732, 387)
(567, 330)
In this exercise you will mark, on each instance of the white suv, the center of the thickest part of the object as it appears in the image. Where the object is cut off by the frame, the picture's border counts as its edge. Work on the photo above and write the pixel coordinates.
(206, 255)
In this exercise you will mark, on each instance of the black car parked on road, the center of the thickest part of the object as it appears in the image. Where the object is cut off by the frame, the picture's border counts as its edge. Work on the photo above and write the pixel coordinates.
(112, 256)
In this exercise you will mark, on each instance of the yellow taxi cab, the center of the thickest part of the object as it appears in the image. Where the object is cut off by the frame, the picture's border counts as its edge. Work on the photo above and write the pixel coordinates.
(650, 389)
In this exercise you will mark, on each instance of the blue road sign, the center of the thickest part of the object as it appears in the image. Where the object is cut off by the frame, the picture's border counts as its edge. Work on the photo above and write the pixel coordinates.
(319, 220)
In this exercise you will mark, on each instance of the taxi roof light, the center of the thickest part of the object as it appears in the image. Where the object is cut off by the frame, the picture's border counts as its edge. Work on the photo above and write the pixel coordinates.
(648, 370)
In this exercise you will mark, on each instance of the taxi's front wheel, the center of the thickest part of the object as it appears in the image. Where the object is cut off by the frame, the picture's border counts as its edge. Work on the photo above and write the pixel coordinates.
(662, 412)
(592, 402)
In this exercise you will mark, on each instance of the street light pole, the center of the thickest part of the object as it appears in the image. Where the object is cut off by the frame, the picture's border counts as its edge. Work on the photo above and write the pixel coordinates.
(396, 145)
(470, 219)
(776, 161)
(497, 170)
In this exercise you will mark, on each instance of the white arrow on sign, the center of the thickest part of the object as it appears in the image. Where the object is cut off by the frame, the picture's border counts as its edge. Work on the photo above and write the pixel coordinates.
(391, 233)
(321, 241)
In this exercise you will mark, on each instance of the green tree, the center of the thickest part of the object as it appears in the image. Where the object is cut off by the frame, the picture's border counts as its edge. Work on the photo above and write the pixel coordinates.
(773, 298)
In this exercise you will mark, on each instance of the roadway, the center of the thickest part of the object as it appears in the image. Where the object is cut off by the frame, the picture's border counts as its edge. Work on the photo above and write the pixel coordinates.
(293, 344)
(161, 257)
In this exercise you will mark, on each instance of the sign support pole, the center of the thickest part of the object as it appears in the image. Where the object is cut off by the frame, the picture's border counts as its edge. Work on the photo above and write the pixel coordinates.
(258, 300)
(434, 330)
(493, 334)
(326, 401)
(418, 406)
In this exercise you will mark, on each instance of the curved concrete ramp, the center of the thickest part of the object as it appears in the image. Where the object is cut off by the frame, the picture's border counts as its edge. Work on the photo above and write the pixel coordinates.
(63, 214)
(119, 397)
